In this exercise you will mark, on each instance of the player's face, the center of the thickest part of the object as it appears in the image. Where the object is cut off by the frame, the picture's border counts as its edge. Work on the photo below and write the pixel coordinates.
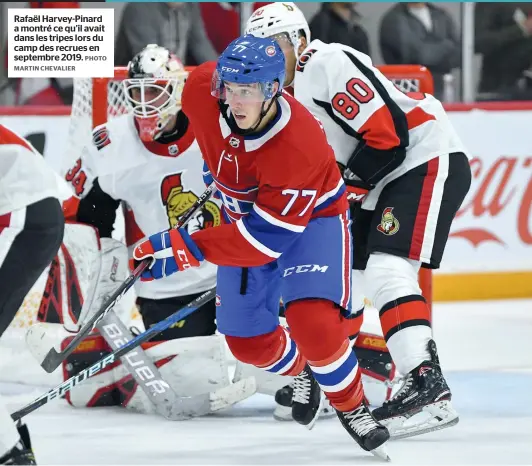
(245, 102)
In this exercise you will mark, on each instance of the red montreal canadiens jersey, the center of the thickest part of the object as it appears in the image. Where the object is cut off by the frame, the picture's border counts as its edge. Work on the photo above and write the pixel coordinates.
(271, 183)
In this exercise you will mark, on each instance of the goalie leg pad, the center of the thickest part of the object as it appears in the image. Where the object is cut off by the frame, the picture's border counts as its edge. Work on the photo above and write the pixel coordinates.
(191, 366)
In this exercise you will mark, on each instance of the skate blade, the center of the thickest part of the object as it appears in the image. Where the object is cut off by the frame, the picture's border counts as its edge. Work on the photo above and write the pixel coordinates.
(310, 425)
(441, 415)
(284, 413)
(382, 453)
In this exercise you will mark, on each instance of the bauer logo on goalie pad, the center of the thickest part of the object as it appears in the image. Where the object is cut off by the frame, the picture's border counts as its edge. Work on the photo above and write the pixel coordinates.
(100, 137)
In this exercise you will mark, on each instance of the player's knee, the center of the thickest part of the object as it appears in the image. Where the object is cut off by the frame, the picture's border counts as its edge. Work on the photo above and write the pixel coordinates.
(317, 327)
(388, 278)
(257, 350)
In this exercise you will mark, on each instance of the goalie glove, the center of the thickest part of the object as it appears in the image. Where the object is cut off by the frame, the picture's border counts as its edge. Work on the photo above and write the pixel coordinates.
(112, 269)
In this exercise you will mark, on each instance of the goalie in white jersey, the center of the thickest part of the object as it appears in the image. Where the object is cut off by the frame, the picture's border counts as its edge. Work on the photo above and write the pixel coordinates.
(149, 161)
(31, 231)
(407, 173)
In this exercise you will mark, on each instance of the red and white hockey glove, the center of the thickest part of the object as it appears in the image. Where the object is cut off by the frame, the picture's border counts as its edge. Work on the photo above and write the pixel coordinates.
(171, 250)
(357, 190)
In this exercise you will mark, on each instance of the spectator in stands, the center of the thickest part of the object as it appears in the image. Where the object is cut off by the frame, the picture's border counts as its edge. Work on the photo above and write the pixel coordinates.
(340, 22)
(503, 35)
(175, 25)
(222, 21)
(421, 34)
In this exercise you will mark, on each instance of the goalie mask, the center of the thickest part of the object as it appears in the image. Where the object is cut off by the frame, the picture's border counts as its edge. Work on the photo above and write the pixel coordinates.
(153, 89)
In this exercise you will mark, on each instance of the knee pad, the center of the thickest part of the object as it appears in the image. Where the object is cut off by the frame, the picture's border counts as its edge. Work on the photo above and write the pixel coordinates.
(388, 278)
(317, 326)
(258, 350)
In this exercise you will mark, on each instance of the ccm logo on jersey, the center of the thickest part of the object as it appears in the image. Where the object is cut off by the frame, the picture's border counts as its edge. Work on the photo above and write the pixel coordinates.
(305, 268)
(303, 59)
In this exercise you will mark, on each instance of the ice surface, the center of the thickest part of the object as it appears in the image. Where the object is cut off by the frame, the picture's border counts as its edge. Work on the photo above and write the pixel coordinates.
(486, 351)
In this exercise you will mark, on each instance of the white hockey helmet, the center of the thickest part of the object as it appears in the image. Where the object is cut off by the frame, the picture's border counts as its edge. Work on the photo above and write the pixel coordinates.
(155, 82)
(277, 18)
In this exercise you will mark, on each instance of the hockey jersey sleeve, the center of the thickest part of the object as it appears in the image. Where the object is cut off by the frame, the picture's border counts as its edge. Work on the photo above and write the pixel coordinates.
(280, 214)
(94, 206)
(357, 97)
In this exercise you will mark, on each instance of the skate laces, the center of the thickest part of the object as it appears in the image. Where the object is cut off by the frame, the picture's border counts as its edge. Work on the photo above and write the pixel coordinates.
(407, 383)
(360, 421)
(301, 385)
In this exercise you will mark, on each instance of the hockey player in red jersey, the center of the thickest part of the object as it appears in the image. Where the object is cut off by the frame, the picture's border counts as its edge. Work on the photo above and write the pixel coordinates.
(282, 194)
(407, 173)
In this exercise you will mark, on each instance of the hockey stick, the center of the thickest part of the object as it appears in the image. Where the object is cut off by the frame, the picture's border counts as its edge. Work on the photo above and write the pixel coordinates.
(139, 365)
(54, 358)
(184, 407)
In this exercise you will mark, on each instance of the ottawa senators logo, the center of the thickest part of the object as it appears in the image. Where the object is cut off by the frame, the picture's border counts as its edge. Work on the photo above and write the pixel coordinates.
(389, 224)
(177, 201)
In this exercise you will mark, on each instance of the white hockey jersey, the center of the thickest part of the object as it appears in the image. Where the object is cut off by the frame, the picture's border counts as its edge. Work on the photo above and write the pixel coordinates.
(157, 183)
(361, 110)
(25, 177)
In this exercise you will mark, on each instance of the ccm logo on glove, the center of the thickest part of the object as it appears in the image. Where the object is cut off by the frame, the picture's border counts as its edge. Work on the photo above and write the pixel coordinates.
(171, 251)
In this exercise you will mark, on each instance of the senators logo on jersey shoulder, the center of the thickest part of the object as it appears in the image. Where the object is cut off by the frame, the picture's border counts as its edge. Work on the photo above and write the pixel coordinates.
(303, 59)
(100, 137)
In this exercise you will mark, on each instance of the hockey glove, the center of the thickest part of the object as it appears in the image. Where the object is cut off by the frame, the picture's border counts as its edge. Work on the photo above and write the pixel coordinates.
(171, 251)
(357, 190)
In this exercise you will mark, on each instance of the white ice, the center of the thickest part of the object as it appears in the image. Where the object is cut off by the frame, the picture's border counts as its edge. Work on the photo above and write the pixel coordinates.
(485, 349)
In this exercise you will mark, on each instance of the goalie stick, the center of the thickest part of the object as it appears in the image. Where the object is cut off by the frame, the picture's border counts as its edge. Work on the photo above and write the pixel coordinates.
(185, 407)
(51, 361)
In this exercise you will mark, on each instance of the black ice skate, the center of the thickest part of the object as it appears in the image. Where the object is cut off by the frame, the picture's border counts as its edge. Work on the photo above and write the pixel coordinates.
(422, 404)
(307, 399)
(21, 453)
(365, 430)
(283, 405)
